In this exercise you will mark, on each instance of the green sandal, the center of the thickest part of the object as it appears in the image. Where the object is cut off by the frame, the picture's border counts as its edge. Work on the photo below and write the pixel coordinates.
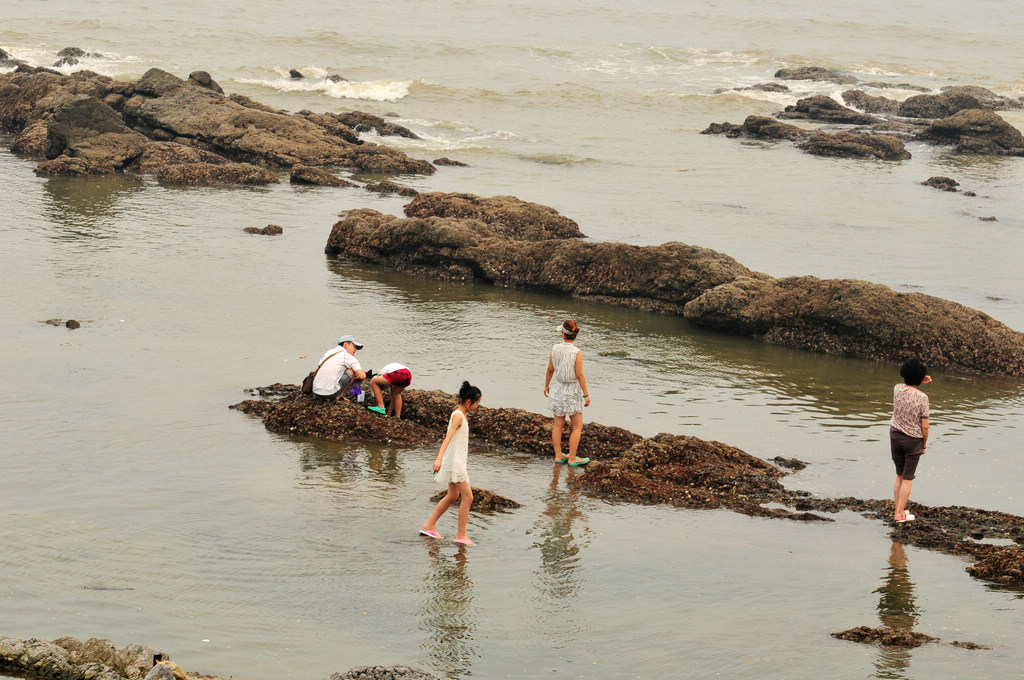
(580, 462)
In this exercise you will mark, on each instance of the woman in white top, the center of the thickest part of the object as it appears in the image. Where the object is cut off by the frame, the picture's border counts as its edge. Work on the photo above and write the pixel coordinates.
(566, 386)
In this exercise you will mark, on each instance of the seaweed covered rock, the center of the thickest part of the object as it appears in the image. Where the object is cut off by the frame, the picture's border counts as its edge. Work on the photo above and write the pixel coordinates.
(855, 145)
(162, 107)
(814, 73)
(826, 109)
(85, 128)
(483, 500)
(688, 472)
(656, 278)
(888, 637)
(976, 131)
(510, 216)
(848, 317)
(215, 174)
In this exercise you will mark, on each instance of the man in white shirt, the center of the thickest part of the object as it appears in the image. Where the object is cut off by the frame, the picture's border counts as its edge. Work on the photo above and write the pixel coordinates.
(338, 369)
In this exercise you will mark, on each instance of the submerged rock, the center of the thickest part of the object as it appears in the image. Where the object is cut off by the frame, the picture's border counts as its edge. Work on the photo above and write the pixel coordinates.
(888, 637)
(943, 183)
(269, 230)
(483, 500)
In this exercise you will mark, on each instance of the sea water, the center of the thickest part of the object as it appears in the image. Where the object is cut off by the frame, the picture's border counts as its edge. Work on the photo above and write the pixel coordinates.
(138, 508)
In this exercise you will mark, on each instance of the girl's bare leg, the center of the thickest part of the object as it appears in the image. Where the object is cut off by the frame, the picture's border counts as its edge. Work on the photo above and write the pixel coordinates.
(378, 393)
(442, 507)
(395, 407)
(576, 420)
(467, 500)
(556, 435)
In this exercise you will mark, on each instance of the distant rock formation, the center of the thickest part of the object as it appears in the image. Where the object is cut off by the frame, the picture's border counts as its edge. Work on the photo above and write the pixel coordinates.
(95, 125)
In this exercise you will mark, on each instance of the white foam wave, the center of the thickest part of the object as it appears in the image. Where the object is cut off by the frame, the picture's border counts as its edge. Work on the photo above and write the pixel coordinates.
(105, 63)
(439, 136)
(316, 80)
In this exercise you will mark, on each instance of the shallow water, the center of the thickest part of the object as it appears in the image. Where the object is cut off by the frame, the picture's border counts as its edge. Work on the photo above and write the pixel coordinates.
(137, 507)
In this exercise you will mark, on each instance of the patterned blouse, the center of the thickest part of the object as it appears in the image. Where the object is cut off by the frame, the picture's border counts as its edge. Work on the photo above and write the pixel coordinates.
(909, 408)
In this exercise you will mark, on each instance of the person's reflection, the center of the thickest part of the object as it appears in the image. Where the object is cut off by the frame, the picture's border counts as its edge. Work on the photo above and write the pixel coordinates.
(447, 611)
(559, 550)
(896, 609)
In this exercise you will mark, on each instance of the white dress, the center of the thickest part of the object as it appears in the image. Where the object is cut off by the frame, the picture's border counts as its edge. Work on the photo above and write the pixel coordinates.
(564, 389)
(453, 465)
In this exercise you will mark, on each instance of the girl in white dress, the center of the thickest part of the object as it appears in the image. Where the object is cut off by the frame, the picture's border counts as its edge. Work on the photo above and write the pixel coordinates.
(566, 385)
(450, 466)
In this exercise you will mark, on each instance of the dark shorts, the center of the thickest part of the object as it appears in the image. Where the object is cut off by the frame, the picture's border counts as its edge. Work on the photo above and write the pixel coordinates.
(401, 377)
(906, 452)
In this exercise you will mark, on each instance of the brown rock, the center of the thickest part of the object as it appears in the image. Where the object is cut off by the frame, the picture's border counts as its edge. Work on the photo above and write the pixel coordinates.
(869, 104)
(855, 318)
(943, 183)
(361, 122)
(387, 187)
(937, 105)
(269, 230)
(826, 109)
(85, 128)
(976, 131)
(518, 219)
(203, 79)
(304, 174)
(855, 145)
(210, 174)
(814, 73)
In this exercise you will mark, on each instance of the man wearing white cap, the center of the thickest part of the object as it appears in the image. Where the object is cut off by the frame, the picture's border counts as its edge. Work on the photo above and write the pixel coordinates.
(338, 368)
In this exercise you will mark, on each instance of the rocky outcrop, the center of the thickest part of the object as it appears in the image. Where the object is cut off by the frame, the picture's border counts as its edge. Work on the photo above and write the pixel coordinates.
(269, 230)
(825, 109)
(847, 317)
(976, 131)
(814, 73)
(942, 183)
(388, 187)
(360, 122)
(85, 128)
(862, 101)
(304, 174)
(758, 127)
(855, 145)
(210, 174)
(104, 125)
(661, 278)
(70, 659)
(508, 215)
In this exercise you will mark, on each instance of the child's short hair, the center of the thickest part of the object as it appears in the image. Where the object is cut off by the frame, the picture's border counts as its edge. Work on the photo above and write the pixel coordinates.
(913, 371)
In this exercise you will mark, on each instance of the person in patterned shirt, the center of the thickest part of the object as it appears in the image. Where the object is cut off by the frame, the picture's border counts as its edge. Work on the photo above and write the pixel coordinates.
(908, 432)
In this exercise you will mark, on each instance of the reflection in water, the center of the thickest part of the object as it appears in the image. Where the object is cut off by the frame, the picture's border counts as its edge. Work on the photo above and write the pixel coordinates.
(350, 463)
(447, 611)
(85, 209)
(559, 573)
(896, 609)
